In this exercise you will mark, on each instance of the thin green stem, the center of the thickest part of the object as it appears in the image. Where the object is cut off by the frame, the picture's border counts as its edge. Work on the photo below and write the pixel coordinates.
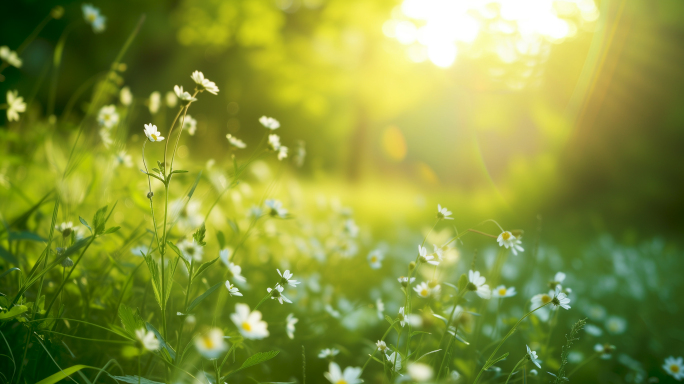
(262, 300)
(522, 361)
(582, 364)
(185, 310)
(47, 311)
(382, 339)
(446, 330)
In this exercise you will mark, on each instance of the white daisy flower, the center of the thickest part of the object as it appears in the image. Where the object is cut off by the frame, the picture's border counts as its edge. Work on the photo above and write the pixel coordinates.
(375, 259)
(420, 372)
(443, 213)
(171, 99)
(275, 208)
(351, 375)
(423, 257)
(15, 105)
(190, 125)
(560, 299)
(203, 83)
(249, 323)
(616, 325)
(232, 290)
(93, 17)
(606, 350)
(290, 325)
(285, 278)
(235, 142)
(277, 294)
(269, 122)
(122, 158)
(557, 280)
(381, 345)
(404, 281)
(10, 56)
(274, 142)
(107, 117)
(184, 96)
(211, 344)
(152, 133)
(424, 290)
(507, 240)
(65, 228)
(477, 284)
(154, 102)
(394, 360)
(282, 152)
(191, 250)
(125, 96)
(328, 353)
(234, 271)
(674, 367)
(403, 319)
(532, 355)
(147, 339)
(438, 251)
(501, 291)
(380, 308)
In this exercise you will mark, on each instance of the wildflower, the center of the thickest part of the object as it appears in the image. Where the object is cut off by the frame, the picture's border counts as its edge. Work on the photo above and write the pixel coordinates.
(190, 125)
(282, 152)
(184, 96)
(249, 323)
(15, 105)
(438, 251)
(455, 376)
(171, 99)
(147, 339)
(560, 299)
(420, 372)
(269, 122)
(347, 247)
(401, 316)
(593, 330)
(606, 350)
(532, 355)
(557, 280)
(477, 284)
(211, 344)
(275, 208)
(300, 153)
(10, 57)
(274, 142)
(234, 271)
(380, 307)
(106, 137)
(235, 142)
(424, 290)
(534, 372)
(122, 158)
(188, 214)
(232, 290)
(404, 281)
(191, 250)
(277, 294)
(443, 213)
(382, 346)
(328, 353)
(423, 257)
(285, 278)
(501, 291)
(107, 117)
(67, 262)
(93, 17)
(125, 96)
(395, 361)
(351, 375)
(204, 84)
(508, 240)
(375, 259)
(616, 325)
(351, 228)
(290, 325)
(66, 228)
(152, 133)
(154, 102)
(674, 367)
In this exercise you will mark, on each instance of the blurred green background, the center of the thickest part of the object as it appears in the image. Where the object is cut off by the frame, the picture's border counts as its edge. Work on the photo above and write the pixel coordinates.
(591, 138)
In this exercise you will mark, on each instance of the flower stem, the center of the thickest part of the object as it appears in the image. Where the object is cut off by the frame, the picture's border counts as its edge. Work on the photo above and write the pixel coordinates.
(382, 339)
(522, 361)
(446, 330)
(185, 309)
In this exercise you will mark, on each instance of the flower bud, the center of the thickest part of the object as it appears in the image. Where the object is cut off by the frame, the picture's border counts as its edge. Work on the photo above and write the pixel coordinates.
(412, 265)
(432, 283)
(66, 263)
(57, 12)
(150, 194)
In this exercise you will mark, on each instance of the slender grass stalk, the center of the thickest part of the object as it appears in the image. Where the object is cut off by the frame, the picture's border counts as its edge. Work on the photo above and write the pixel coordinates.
(446, 330)
(382, 339)
(47, 311)
(521, 362)
(185, 309)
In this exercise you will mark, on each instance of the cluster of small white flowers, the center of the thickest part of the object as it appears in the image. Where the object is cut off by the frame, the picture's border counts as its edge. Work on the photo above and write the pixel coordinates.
(507, 240)
(10, 57)
(93, 17)
(15, 105)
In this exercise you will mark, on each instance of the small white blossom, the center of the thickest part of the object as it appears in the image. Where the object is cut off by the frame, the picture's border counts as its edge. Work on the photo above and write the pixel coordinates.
(125, 96)
(420, 372)
(234, 271)
(290, 325)
(269, 122)
(211, 344)
(274, 142)
(10, 56)
(423, 257)
(508, 240)
(501, 291)
(15, 105)
(477, 284)
(147, 339)
(404, 281)
(285, 278)
(106, 137)
(395, 361)
(171, 99)
(184, 96)
(191, 250)
(616, 325)
(403, 319)
(674, 367)
(107, 117)
(275, 208)
(443, 213)
(249, 323)
(152, 133)
(93, 17)
(154, 102)
(282, 152)
(235, 142)
(277, 294)
(605, 350)
(532, 355)
(375, 259)
(382, 346)
(380, 308)
(204, 83)
(423, 289)
(190, 125)
(328, 353)
(122, 158)
(232, 290)
(351, 375)
(560, 299)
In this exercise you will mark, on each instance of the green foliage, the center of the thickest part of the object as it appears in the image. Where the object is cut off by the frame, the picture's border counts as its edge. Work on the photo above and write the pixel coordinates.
(569, 340)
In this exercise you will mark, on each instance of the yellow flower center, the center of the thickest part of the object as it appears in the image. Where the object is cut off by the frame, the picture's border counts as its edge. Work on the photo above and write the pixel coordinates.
(208, 342)
(545, 299)
(506, 235)
(154, 136)
(674, 368)
(502, 291)
(246, 326)
(91, 17)
(374, 259)
(341, 381)
(424, 292)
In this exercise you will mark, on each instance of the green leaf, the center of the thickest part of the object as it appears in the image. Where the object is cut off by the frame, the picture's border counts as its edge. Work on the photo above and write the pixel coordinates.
(192, 190)
(204, 267)
(179, 253)
(162, 342)
(154, 272)
(134, 380)
(436, 350)
(99, 220)
(130, 319)
(203, 296)
(111, 230)
(199, 235)
(9, 271)
(494, 361)
(14, 312)
(82, 220)
(462, 282)
(221, 239)
(179, 171)
(63, 374)
(258, 358)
